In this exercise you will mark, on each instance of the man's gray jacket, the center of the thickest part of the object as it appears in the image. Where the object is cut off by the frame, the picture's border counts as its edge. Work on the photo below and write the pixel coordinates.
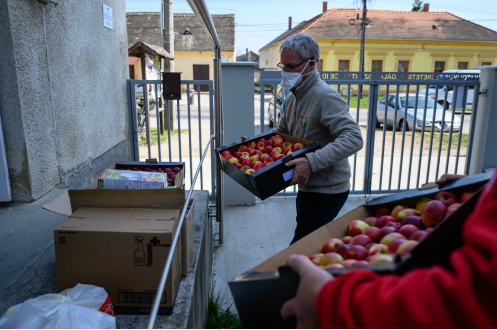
(315, 111)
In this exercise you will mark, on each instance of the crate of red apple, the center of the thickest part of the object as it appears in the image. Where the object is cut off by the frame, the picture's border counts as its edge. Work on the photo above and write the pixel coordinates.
(166, 171)
(258, 163)
(392, 231)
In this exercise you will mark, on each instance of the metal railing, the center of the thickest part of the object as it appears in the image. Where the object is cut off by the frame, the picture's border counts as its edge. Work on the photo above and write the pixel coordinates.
(167, 266)
(388, 165)
(140, 125)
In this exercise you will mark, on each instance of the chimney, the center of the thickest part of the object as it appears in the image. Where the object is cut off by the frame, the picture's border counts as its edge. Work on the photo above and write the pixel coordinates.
(325, 6)
(290, 23)
(426, 7)
(246, 51)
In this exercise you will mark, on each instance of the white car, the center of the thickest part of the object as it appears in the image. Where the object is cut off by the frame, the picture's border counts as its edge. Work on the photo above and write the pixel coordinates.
(450, 92)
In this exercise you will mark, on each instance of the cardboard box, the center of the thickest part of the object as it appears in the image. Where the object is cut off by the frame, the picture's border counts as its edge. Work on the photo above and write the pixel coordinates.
(124, 179)
(124, 251)
(143, 198)
(260, 292)
(271, 179)
(187, 238)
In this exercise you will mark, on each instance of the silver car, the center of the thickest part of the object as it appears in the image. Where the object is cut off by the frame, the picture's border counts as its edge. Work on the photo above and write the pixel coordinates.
(388, 103)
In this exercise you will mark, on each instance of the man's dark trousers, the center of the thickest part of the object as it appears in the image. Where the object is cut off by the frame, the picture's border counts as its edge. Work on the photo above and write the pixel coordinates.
(315, 210)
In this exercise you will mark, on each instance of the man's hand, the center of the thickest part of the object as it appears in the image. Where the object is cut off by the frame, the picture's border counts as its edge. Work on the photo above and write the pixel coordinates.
(312, 280)
(302, 170)
(448, 177)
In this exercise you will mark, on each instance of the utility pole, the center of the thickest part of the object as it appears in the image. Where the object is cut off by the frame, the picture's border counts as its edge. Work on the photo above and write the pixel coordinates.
(363, 41)
(168, 34)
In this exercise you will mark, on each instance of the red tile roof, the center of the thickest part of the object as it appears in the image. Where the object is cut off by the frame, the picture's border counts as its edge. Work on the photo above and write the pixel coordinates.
(132, 60)
(391, 25)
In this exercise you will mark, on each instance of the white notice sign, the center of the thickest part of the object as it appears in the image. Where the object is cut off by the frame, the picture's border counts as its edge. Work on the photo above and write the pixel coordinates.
(108, 21)
(288, 175)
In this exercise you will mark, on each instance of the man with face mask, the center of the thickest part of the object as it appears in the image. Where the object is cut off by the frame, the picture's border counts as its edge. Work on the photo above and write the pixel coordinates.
(315, 111)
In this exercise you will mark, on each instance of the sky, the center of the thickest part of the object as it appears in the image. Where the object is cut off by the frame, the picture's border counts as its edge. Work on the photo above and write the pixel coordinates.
(257, 22)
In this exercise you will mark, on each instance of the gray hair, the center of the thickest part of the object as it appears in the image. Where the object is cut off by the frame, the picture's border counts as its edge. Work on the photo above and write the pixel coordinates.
(305, 45)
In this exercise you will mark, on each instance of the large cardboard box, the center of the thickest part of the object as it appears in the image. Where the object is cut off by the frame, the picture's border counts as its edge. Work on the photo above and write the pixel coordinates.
(143, 198)
(260, 293)
(269, 180)
(123, 250)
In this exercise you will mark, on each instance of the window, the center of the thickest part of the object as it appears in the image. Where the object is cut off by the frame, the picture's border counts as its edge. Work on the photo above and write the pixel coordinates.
(391, 101)
(376, 66)
(486, 63)
(343, 65)
(319, 65)
(462, 65)
(403, 66)
(439, 66)
(383, 100)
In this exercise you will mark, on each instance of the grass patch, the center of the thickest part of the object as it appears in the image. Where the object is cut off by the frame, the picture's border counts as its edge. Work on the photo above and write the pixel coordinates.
(436, 139)
(353, 102)
(163, 137)
(219, 318)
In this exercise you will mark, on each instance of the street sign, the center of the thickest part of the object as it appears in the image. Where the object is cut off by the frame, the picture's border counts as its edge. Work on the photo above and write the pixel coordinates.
(108, 20)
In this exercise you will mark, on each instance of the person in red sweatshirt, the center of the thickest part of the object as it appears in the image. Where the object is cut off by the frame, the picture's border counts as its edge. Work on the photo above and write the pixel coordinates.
(423, 298)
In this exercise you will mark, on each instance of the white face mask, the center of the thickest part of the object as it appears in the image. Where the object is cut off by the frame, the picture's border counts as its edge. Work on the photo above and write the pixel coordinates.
(290, 80)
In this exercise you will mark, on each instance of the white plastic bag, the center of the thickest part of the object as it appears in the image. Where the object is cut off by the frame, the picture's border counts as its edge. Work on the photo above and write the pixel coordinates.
(82, 307)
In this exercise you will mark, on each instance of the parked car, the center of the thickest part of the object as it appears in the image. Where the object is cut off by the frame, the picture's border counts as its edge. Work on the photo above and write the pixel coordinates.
(279, 108)
(450, 93)
(139, 93)
(406, 113)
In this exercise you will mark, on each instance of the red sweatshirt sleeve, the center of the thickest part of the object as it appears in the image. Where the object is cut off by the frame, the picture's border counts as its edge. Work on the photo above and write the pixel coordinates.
(424, 298)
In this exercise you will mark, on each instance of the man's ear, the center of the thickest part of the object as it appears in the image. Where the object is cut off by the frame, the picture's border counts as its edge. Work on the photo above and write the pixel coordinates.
(312, 65)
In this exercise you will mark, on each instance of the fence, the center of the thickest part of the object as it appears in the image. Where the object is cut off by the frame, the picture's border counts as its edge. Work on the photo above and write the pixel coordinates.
(395, 115)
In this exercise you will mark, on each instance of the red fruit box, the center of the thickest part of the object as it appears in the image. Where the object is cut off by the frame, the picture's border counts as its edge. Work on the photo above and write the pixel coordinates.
(271, 179)
(260, 292)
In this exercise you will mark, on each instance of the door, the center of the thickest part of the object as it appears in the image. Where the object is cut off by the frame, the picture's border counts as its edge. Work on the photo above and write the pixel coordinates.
(201, 72)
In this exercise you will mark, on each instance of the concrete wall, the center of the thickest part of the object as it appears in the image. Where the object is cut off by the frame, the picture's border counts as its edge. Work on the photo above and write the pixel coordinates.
(65, 116)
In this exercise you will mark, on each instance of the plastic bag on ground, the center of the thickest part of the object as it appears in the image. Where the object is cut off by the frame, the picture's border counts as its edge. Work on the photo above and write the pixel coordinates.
(82, 307)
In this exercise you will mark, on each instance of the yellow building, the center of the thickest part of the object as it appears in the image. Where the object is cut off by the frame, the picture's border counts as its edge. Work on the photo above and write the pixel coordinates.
(193, 49)
(395, 41)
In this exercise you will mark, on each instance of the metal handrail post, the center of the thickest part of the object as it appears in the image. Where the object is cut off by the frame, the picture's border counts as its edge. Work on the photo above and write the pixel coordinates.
(162, 283)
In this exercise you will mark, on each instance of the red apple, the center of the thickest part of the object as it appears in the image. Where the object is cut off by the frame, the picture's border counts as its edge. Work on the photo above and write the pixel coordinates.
(331, 245)
(342, 249)
(264, 158)
(395, 225)
(433, 212)
(391, 237)
(287, 145)
(429, 229)
(251, 144)
(446, 197)
(357, 252)
(255, 158)
(280, 156)
(233, 160)
(406, 212)
(237, 164)
(334, 266)
(383, 211)
(252, 164)
(418, 236)
(362, 240)
(414, 220)
(244, 168)
(274, 154)
(287, 150)
(297, 146)
(257, 152)
(268, 161)
(371, 232)
(260, 146)
(384, 219)
(245, 154)
(394, 245)
(263, 140)
(466, 195)
(408, 230)
(379, 258)
(225, 153)
(371, 221)
(347, 240)
(278, 145)
(330, 258)
(250, 151)
(315, 258)
(172, 177)
(249, 171)
(406, 247)
(167, 170)
(420, 205)
(258, 166)
(277, 139)
(268, 150)
(278, 149)
(246, 162)
(356, 227)
(450, 211)
(269, 143)
(396, 210)
(361, 263)
(383, 232)
(242, 148)
(370, 245)
(378, 248)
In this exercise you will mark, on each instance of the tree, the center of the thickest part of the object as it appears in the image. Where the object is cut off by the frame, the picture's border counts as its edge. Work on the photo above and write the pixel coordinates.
(417, 5)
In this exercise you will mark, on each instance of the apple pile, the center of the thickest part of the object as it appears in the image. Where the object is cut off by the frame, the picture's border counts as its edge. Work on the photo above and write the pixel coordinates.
(392, 231)
(170, 172)
(253, 156)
